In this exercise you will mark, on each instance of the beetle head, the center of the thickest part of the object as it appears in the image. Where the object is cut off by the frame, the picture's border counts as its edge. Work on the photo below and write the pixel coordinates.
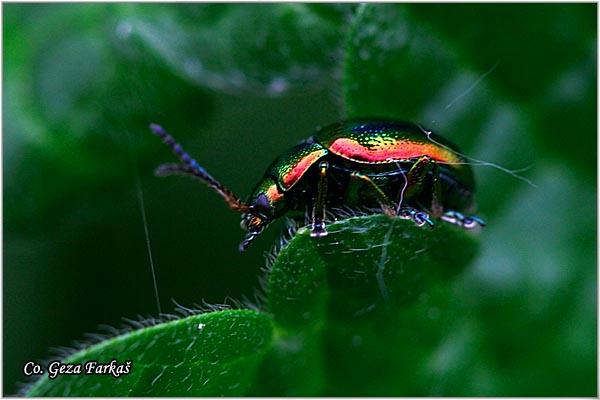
(261, 211)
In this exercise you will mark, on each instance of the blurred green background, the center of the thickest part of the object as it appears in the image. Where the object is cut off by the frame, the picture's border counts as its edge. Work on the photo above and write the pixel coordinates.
(238, 84)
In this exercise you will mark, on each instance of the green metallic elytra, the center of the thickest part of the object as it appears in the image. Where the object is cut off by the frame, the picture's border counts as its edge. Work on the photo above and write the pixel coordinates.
(293, 164)
(385, 141)
(398, 167)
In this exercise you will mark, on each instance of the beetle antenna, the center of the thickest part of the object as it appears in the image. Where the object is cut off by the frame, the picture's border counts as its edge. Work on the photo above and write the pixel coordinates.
(190, 167)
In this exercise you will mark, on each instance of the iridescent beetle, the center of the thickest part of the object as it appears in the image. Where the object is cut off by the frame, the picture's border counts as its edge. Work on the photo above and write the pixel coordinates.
(399, 167)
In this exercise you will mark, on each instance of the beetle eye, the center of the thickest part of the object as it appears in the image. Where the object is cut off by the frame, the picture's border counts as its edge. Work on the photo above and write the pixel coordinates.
(262, 202)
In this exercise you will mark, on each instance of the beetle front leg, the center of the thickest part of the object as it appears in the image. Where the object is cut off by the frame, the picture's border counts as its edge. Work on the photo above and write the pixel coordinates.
(318, 212)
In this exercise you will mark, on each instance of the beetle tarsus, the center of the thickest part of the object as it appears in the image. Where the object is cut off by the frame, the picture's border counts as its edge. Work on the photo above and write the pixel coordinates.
(420, 218)
(318, 230)
(467, 222)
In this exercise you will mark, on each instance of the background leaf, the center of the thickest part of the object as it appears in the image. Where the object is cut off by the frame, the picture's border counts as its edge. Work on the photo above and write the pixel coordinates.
(349, 293)
(259, 48)
(547, 74)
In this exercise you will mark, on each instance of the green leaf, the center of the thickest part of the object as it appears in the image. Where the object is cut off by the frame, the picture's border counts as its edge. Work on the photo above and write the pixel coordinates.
(515, 294)
(343, 288)
(297, 296)
(213, 354)
(371, 263)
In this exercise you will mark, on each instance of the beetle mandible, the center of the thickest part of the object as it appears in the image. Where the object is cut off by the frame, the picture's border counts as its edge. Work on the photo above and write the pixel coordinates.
(400, 167)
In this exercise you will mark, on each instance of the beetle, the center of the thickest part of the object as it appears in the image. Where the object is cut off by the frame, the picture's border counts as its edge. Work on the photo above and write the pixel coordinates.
(399, 167)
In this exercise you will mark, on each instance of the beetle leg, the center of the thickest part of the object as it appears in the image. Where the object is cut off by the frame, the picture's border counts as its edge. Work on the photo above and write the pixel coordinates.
(470, 222)
(437, 209)
(420, 218)
(318, 212)
(416, 179)
(386, 204)
(416, 175)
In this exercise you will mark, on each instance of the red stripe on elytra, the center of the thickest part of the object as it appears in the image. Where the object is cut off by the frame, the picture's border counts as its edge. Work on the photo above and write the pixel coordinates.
(301, 167)
(273, 194)
(387, 151)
